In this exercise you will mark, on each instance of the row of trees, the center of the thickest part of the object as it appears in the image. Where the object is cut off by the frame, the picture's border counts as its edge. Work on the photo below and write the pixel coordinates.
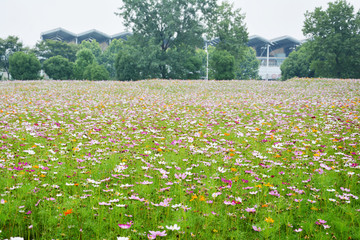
(167, 42)
(333, 48)
(59, 60)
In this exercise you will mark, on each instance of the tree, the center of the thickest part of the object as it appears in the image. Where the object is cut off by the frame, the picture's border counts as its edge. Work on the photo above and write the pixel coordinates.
(24, 66)
(184, 63)
(96, 72)
(59, 68)
(84, 58)
(228, 25)
(335, 40)
(93, 46)
(297, 64)
(165, 24)
(108, 58)
(8, 46)
(248, 67)
(50, 48)
(126, 65)
(223, 63)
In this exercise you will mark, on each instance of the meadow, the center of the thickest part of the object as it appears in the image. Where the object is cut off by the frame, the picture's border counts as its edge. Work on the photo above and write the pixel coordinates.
(165, 159)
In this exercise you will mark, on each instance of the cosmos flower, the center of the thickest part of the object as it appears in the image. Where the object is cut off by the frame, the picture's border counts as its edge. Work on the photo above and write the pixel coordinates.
(256, 229)
(174, 227)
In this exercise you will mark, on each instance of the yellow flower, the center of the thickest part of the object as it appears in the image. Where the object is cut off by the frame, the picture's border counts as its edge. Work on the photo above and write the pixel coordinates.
(202, 198)
(193, 197)
(268, 185)
(269, 220)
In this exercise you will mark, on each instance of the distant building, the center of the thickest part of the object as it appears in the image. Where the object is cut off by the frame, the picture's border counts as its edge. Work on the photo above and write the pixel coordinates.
(60, 34)
(271, 53)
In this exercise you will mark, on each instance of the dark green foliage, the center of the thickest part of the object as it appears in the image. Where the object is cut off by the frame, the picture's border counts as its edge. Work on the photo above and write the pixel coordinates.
(248, 67)
(126, 65)
(223, 64)
(8, 46)
(84, 58)
(335, 40)
(50, 48)
(58, 68)
(108, 58)
(96, 72)
(93, 46)
(184, 63)
(297, 64)
(24, 66)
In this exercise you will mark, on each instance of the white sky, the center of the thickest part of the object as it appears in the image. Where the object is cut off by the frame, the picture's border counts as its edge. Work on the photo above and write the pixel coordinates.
(28, 18)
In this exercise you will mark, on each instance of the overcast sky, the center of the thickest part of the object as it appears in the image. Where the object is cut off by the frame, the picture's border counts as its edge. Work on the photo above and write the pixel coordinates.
(28, 18)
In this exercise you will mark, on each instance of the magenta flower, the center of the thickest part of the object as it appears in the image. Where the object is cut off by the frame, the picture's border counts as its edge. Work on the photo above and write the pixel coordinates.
(125, 226)
(322, 221)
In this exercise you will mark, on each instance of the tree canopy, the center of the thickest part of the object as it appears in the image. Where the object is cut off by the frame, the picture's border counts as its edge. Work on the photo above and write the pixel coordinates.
(8, 46)
(84, 58)
(50, 48)
(298, 63)
(223, 65)
(58, 68)
(164, 24)
(334, 36)
(228, 25)
(24, 66)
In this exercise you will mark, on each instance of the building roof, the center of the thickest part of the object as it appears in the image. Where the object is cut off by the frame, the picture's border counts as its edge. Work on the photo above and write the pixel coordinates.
(59, 34)
(257, 41)
(93, 35)
(284, 42)
(122, 35)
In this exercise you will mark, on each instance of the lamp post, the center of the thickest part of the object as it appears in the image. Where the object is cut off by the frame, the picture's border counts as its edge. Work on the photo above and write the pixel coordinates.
(267, 62)
(207, 60)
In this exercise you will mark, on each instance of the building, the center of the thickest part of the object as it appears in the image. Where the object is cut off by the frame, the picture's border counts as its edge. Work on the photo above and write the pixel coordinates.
(271, 53)
(60, 34)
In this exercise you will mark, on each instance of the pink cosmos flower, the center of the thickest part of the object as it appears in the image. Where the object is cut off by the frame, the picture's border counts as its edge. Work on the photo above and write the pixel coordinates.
(322, 221)
(154, 234)
(250, 210)
(125, 226)
(256, 229)
(298, 230)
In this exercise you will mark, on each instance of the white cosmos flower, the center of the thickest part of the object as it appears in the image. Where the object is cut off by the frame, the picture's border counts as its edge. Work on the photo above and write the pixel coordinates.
(172, 228)
(222, 170)
(123, 238)
(29, 152)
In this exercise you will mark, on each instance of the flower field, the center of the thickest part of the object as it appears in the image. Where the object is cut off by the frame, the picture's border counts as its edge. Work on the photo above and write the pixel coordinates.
(180, 159)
